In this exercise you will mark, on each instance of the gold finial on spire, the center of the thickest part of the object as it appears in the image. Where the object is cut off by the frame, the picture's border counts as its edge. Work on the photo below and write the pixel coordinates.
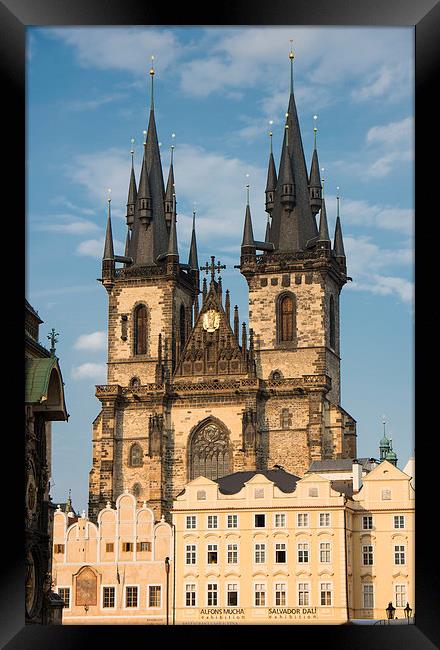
(247, 191)
(152, 68)
(315, 130)
(291, 54)
(145, 137)
(152, 85)
(270, 135)
(132, 151)
(291, 57)
(109, 198)
(337, 201)
(173, 135)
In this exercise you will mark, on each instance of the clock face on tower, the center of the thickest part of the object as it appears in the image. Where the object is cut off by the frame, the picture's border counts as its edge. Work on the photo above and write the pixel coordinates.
(211, 320)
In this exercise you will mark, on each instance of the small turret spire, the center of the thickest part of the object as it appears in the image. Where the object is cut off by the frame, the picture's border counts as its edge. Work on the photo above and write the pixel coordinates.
(172, 242)
(170, 187)
(314, 179)
(193, 257)
(271, 178)
(248, 235)
(132, 192)
(236, 322)
(338, 246)
(108, 247)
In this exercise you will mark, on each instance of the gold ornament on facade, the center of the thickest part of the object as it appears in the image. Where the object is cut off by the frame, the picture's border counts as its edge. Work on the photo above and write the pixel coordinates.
(211, 320)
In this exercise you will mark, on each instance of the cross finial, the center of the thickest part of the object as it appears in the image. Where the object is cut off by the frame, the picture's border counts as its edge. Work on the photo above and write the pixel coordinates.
(53, 339)
(212, 268)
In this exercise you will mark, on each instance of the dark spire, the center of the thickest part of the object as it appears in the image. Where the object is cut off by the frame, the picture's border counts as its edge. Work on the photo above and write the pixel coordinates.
(323, 226)
(271, 179)
(248, 235)
(315, 180)
(285, 180)
(127, 246)
(108, 246)
(193, 258)
(236, 322)
(267, 235)
(169, 191)
(228, 306)
(172, 242)
(291, 230)
(132, 192)
(338, 246)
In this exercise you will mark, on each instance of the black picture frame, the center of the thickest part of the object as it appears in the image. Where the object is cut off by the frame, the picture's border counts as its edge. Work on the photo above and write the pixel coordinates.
(15, 16)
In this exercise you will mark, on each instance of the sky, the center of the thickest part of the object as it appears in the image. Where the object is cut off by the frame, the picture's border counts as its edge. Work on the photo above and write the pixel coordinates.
(220, 91)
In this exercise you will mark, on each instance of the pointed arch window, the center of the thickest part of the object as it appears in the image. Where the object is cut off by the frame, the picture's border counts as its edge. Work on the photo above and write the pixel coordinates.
(286, 318)
(140, 330)
(135, 459)
(332, 324)
(209, 452)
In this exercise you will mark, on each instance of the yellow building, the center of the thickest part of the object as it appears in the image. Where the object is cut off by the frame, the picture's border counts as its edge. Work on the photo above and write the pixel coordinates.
(268, 547)
(117, 571)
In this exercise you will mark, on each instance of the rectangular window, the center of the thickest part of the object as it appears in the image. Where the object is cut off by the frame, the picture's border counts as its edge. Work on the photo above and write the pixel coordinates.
(324, 519)
(325, 552)
(212, 521)
(232, 550)
(260, 595)
(303, 593)
(190, 595)
(399, 521)
(326, 593)
(131, 596)
(280, 520)
(143, 546)
(232, 595)
(191, 521)
(212, 595)
(232, 521)
(260, 521)
(127, 546)
(212, 554)
(190, 554)
(303, 552)
(154, 595)
(109, 547)
(302, 519)
(280, 553)
(399, 554)
(260, 553)
(400, 591)
(280, 594)
(368, 596)
(108, 596)
(64, 593)
(367, 555)
(58, 548)
(367, 522)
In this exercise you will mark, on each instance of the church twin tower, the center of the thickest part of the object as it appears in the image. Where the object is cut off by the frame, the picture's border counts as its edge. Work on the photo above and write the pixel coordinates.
(189, 392)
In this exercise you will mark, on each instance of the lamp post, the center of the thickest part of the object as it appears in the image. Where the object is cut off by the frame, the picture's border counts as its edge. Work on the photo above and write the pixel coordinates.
(167, 571)
(408, 612)
(390, 610)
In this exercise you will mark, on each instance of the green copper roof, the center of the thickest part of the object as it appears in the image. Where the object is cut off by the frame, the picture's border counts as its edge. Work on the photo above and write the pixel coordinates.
(38, 380)
(384, 442)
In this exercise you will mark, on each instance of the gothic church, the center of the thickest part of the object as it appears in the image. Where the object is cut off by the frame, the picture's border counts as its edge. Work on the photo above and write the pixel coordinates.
(189, 391)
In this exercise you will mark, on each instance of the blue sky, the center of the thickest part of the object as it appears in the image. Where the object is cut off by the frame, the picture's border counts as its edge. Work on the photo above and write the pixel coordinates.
(217, 89)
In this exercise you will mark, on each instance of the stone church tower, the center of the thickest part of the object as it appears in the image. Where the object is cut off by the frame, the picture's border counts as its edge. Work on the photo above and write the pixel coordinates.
(189, 392)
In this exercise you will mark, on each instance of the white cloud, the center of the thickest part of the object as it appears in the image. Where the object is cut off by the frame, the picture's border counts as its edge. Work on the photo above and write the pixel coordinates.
(362, 213)
(95, 248)
(392, 134)
(92, 104)
(78, 227)
(97, 371)
(385, 286)
(92, 342)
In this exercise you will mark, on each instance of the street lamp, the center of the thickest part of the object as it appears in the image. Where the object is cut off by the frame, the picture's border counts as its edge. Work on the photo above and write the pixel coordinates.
(167, 571)
(390, 610)
(408, 612)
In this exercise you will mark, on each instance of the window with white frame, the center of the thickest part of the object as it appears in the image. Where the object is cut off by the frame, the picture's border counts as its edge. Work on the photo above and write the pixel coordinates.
(232, 521)
(191, 521)
(108, 597)
(280, 553)
(260, 521)
(190, 554)
(64, 593)
(400, 591)
(324, 519)
(303, 593)
(212, 557)
(325, 589)
(399, 554)
(260, 553)
(280, 520)
(325, 549)
(232, 554)
(302, 519)
(154, 596)
(280, 594)
(399, 521)
(212, 594)
(260, 595)
(368, 596)
(212, 521)
(131, 596)
(367, 555)
(303, 552)
(232, 594)
(190, 595)
(367, 522)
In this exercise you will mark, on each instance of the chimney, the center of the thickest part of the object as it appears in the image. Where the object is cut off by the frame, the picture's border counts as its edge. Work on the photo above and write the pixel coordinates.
(357, 475)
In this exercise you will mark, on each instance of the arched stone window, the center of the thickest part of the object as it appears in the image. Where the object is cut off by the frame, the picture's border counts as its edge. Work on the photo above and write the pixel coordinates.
(276, 374)
(135, 456)
(182, 326)
(286, 318)
(135, 382)
(332, 324)
(140, 330)
(209, 452)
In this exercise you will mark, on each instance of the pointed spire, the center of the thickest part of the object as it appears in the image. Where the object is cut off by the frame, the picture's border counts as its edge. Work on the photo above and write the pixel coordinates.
(152, 84)
(204, 289)
(236, 322)
(172, 242)
(193, 258)
(108, 247)
(127, 246)
(170, 189)
(243, 338)
(323, 226)
(285, 180)
(267, 235)
(143, 202)
(248, 235)
(338, 246)
(227, 306)
(132, 192)
(315, 179)
(271, 178)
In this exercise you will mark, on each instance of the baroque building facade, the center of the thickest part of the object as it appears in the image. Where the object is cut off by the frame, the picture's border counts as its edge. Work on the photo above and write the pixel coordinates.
(190, 391)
